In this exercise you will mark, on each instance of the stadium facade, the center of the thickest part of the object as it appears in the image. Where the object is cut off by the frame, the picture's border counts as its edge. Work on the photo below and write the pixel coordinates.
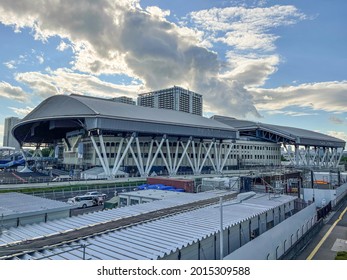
(139, 140)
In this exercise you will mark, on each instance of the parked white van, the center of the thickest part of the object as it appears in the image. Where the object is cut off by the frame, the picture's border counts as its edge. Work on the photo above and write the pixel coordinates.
(82, 201)
(62, 178)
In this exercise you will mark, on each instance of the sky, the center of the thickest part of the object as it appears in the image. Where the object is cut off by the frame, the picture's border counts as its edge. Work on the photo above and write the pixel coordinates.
(278, 62)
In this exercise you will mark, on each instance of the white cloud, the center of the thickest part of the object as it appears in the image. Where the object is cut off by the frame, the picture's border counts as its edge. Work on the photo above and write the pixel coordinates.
(291, 113)
(119, 37)
(21, 111)
(63, 81)
(338, 134)
(10, 64)
(326, 96)
(40, 59)
(156, 11)
(252, 70)
(246, 28)
(12, 92)
(87, 60)
(63, 46)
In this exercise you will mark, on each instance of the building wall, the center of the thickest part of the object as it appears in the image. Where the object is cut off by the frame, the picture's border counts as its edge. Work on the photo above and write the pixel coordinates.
(322, 197)
(244, 153)
(174, 98)
(275, 242)
(33, 218)
(124, 99)
(9, 140)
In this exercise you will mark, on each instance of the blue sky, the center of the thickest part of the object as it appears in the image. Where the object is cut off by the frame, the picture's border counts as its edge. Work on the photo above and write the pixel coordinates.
(279, 62)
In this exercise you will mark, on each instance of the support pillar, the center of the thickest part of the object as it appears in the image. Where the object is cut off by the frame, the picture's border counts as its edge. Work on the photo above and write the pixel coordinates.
(148, 168)
(297, 155)
(103, 148)
(101, 159)
(213, 143)
(116, 167)
(117, 157)
(184, 152)
(226, 156)
(339, 159)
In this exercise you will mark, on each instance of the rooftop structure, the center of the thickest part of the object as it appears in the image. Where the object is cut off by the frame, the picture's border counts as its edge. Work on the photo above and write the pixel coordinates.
(144, 196)
(20, 209)
(96, 114)
(174, 98)
(318, 149)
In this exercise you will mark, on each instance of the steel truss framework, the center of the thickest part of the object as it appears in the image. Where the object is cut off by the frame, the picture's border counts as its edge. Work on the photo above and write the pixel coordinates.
(314, 156)
(202, 150)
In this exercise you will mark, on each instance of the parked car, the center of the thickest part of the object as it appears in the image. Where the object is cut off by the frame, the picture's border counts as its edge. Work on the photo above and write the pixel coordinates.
(83, 201)
(62, 178)
(97, 194)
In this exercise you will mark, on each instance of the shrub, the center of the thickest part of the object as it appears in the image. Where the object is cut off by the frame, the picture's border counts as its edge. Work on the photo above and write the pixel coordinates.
(341, 255)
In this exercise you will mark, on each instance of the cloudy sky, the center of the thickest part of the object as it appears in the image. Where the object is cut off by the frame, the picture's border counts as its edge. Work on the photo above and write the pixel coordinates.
(279, 62)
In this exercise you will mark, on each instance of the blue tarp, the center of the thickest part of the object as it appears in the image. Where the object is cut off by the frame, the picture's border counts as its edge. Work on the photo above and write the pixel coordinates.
(159, 187)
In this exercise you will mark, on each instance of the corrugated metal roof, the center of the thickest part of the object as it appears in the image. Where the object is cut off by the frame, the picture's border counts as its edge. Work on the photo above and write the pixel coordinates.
(18, 204)
(76, 222)
(158, 238)
(154, 194)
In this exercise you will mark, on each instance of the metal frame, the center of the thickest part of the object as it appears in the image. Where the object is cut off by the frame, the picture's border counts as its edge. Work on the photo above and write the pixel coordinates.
(315, 156)
(172, 162)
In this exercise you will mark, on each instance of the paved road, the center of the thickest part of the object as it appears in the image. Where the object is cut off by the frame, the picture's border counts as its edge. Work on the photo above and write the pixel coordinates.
(331, 238)
(65, 195)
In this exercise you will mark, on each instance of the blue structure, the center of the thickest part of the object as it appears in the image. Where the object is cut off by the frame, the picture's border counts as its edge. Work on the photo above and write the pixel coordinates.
(10, 158)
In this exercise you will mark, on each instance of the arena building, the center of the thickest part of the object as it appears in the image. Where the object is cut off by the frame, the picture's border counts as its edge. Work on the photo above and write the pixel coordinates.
(140, 140)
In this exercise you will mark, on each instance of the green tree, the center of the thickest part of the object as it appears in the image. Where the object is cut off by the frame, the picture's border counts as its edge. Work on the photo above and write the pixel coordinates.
(46, 152)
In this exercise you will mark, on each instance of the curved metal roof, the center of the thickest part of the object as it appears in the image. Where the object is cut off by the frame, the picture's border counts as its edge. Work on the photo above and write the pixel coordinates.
(286, 134)
(60, 114)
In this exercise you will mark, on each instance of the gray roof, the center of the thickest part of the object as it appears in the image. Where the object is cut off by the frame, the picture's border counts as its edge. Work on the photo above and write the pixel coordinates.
(287, 134)
(76, 222)
(63, 113)
(19, 205)
(150, 240)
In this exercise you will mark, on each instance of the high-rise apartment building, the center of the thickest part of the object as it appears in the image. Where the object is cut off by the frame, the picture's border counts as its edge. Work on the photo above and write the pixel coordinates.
(174, 98)
(124, 99)
(9, 140)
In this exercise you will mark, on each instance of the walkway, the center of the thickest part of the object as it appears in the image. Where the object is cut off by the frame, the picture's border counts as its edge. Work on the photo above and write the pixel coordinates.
(331, 239)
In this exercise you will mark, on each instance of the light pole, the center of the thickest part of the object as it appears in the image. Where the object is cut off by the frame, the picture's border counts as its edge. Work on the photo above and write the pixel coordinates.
(221, 228)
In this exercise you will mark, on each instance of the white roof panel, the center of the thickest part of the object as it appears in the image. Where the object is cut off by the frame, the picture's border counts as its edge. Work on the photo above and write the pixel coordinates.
(18, 204)
(154, 239)
(85, 220)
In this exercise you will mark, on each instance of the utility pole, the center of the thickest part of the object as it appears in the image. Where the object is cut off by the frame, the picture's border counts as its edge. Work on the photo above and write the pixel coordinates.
(221, 245)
